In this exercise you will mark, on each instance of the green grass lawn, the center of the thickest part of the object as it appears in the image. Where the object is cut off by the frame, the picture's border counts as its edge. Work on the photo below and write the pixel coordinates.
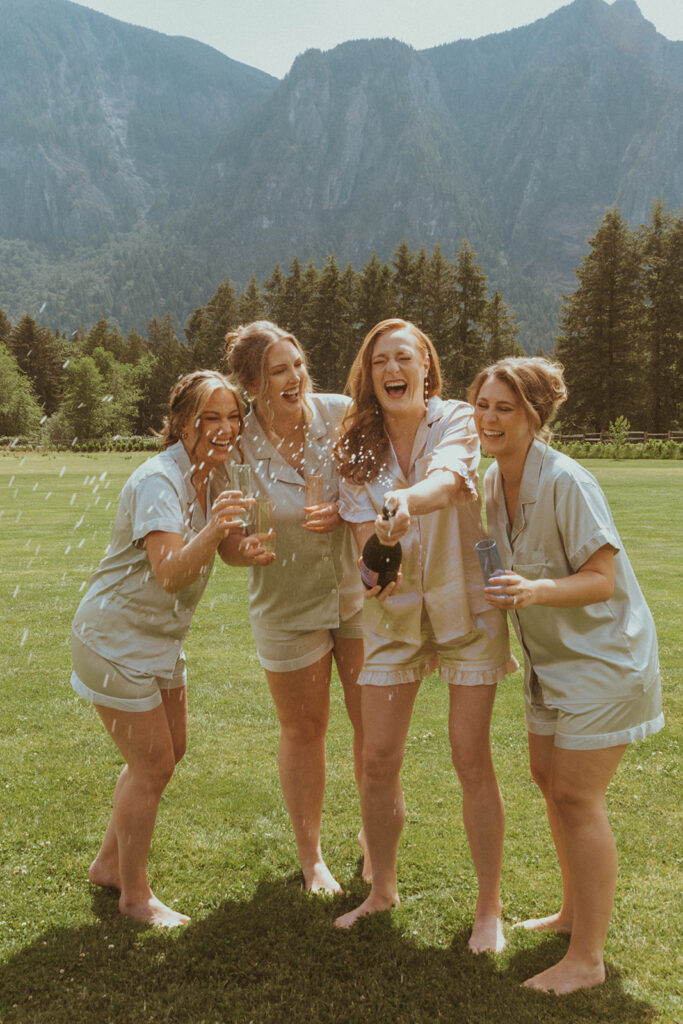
(258, 949)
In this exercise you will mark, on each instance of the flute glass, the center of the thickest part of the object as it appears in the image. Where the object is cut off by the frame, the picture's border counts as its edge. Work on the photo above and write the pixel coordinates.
(315, 490)
(240, 480)
(264, 522)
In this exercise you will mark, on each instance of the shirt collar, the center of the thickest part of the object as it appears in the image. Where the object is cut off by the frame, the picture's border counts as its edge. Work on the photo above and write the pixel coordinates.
(528, 488)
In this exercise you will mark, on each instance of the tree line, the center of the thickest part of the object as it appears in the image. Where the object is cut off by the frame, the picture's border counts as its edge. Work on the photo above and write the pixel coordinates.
(620, 336)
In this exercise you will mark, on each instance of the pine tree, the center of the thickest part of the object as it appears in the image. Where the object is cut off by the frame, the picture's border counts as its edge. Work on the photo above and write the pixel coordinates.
(251, 305)
(275, 297)
(376, 296)
(330, 325)
(439, 305)
(600, 324)
(500, 331)
(404, 283)
(208, 326)
(464, 357)
(103, 335)
(41, 357)
(661, 368)
(173, 360)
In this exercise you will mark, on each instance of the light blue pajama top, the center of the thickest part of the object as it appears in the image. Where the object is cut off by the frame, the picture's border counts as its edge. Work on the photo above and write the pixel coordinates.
(126, 616)
(601, 653)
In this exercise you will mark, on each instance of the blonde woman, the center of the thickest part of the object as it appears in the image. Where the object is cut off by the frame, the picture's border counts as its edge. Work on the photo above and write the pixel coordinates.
(592, 682)
(305, 607)
(406, 447)
(129, 628)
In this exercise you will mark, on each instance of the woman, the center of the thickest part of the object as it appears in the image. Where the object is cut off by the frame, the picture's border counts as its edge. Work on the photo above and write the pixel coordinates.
(405, 447)
(592, 681)
(129, 628)
(305, 607)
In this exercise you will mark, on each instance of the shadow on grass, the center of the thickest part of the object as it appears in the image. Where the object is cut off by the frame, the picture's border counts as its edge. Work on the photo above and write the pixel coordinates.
(276, 957)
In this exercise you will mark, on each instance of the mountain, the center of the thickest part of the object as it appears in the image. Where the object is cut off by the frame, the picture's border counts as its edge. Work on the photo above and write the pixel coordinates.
(138, 170)
(102, 125)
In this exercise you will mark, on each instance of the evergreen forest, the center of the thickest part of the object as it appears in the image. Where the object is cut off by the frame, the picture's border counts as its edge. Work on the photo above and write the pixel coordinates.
(620, 337)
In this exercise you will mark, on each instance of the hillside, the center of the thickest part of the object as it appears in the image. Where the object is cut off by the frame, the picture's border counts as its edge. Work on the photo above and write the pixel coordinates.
(138, 170)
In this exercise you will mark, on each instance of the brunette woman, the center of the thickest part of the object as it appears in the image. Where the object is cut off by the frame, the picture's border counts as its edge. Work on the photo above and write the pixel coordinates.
(129, 628)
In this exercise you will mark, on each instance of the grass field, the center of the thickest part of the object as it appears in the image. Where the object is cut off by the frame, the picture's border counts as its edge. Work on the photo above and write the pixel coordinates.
(258, 949)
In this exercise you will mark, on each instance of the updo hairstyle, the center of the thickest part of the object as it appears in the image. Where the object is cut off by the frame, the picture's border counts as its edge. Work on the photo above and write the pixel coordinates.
(188, 399)
(537, 382)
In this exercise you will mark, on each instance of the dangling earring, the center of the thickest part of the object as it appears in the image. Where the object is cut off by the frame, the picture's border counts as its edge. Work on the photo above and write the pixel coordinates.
(426, 390)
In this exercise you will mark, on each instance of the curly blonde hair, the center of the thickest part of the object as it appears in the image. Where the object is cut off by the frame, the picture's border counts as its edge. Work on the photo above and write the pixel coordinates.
(188, 399)
(537, 382)
(363, 446)
(246, 354)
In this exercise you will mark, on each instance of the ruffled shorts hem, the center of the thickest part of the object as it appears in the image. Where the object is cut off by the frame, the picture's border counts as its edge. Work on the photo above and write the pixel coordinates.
(454, 675)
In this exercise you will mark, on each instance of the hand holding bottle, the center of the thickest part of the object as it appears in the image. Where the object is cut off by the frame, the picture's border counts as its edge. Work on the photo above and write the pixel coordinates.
(390, 530)
(380, 563)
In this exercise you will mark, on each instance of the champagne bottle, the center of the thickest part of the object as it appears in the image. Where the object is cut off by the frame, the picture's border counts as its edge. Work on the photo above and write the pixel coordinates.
(380, 562)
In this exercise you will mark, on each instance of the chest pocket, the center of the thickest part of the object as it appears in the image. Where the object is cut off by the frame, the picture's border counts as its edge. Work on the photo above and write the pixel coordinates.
(533, 570)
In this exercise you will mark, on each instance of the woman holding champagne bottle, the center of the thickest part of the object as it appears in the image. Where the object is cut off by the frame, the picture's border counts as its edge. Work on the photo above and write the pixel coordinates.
(305, 608)
(592, 682)
(408, 461)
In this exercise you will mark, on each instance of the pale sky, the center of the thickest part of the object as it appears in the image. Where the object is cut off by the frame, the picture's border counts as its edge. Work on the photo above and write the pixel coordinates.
(268, 34)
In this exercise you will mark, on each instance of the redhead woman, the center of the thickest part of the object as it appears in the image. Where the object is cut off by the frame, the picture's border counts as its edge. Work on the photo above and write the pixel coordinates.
(592, 682)
(405, 447)
(305, 607)
(129, 628)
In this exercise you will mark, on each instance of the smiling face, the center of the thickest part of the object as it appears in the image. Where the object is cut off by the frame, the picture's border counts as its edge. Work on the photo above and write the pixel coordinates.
(211, 433)
(287, 380)
(399, 367)
(501, 420)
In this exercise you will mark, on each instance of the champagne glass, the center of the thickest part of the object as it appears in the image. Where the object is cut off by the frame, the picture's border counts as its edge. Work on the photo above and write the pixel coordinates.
(264, 521)
(240, 480)
(489, 558)
(315, 490)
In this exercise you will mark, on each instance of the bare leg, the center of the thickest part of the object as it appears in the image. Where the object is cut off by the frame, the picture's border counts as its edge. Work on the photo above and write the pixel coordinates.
(348, 654)
(579, 781)
(541, 750)
(386, 717)
(104, 870)
(302, 700)
(482, 806)
(146, 742)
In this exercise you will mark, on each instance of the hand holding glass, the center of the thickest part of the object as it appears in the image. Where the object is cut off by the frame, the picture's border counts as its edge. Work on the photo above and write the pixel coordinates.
(264, 522)
(489, 559)
(315, 491)
(240, 480)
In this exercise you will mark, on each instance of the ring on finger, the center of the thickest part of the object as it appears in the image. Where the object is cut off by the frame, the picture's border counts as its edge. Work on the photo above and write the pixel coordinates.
(514, 600)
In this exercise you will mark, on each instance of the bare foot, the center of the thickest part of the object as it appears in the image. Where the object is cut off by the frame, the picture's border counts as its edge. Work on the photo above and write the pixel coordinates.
(106, 875)
(568, 976)
(152, 911)
(366, 873)
(552, 923)
(319, 878)
(372, 905)
(487, 935)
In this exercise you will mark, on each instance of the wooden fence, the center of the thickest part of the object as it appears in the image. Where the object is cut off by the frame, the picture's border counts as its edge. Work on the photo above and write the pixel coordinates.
(633, 437)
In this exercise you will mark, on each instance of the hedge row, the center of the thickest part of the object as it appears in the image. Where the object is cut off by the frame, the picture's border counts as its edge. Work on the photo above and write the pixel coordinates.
(652, 449)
